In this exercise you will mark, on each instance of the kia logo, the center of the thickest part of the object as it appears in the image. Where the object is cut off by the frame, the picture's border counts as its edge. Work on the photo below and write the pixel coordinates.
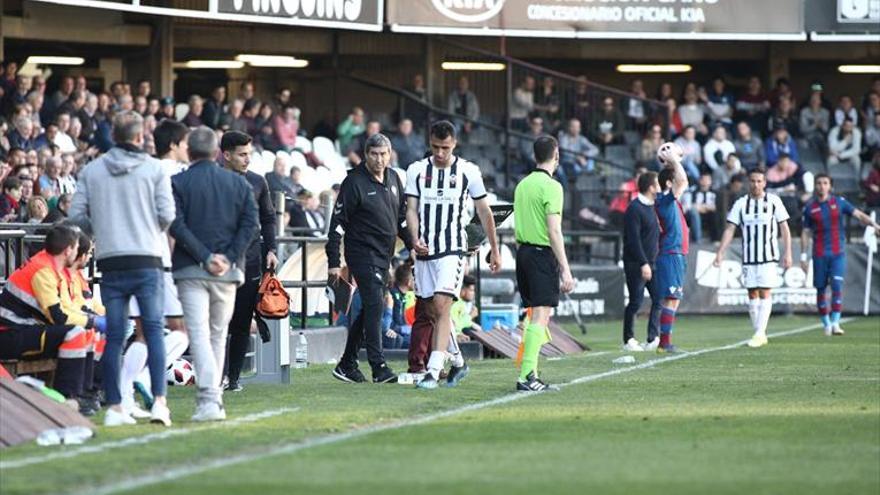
(469, 10)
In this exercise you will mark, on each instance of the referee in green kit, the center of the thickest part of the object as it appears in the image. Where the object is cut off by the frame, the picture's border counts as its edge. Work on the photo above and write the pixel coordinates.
(540, 258)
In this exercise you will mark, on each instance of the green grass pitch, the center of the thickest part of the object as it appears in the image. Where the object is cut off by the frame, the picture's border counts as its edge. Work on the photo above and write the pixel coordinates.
(800, 416)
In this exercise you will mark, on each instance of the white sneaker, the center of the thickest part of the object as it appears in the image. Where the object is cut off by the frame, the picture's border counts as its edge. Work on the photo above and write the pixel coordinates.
(209, 411)
(652, 345)
(115, 418)
(136, 412)
(632, 345)
(836, 330)
(758, 340)
(160, 414)
(829, 330)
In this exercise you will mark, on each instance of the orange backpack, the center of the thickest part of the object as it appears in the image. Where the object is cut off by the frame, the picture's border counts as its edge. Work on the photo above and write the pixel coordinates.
(274, 302)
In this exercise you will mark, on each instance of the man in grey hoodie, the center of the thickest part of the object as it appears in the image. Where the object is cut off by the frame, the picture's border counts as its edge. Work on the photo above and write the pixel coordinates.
(126, 200)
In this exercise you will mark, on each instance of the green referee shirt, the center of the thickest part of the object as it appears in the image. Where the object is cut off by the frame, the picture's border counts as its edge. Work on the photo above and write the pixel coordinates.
(535, 197)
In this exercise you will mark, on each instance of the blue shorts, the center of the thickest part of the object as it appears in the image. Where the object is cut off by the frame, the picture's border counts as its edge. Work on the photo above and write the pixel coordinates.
(670, 272)
(826, 268)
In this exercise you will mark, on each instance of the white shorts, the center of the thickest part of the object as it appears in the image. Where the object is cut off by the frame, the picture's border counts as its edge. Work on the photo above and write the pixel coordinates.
(171, 305)
(439, 276)
(762, 276)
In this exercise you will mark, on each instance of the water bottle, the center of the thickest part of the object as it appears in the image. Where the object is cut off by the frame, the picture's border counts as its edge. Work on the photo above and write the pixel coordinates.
(301, 360)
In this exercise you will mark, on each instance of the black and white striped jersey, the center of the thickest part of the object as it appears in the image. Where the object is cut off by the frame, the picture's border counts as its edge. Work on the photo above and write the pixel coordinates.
(443, 195)
(759, 221)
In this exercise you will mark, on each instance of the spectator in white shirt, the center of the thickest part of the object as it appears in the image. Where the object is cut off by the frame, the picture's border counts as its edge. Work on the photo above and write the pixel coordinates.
(523, 103)
(846, 110)
(814, 121)
(692, 112)
(844, 146)
(693, 152)
(62, 139)
(716, 149)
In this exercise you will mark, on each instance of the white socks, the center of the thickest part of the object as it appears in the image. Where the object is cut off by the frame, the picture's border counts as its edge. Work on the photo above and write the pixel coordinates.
(133, 362)
(435, 363)
(175, 345)
(455, 352)
(755, 313)
(765, 310)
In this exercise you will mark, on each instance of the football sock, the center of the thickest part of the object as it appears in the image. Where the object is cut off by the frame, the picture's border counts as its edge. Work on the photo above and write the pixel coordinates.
(455, 352)
(133, 362)
(435, 363)
(765, 311)
(175, 345)
(535, 336)
(822, 304)
(667, 320)
(836, 299)
(754, 313)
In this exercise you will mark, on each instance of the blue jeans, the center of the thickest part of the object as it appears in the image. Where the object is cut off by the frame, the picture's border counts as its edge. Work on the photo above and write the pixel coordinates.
(117, 288)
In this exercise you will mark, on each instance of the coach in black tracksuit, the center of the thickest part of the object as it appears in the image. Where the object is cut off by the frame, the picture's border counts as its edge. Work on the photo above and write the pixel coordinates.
(236, 149)
(641, 242)
(370, 212)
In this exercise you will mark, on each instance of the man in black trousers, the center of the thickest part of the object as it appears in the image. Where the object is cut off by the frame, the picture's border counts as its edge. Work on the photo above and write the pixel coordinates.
(370, 212)
(236, 149)
(641, 235)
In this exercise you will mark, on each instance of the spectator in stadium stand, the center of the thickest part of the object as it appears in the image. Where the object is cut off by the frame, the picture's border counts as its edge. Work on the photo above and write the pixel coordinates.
(8, 71)
(547, 104)
(785, 113)
(871, 108)
(60, 211)
(149, 142)
(247, 91)
(608, 125)
(407, 144)
(634, 108)
(355, 150)
(463, 101)
(526, 146)
(21, 135)
(125, 103)
(307, 214)
(264, 116)
(628, 191)
(648, 150)
(786, 177)
(720, 104)
(723, 175)
(17, 95)
(692, 112)
(104, 132)
(700, 209)
(217, 221)
(88, 118)
(871, 184)
(715, 150)
(814, 121)
(144, 88)
(73, 104)
(782, 89)
(780, 142)
(844, 146)
(417, 113)
(166, 107)
(846, 110)
(352, 126)
(35, 100)
(66, 178)
(193, 117)
(692, 159)
(141, 105)
(260, 254)
(9, 202)
(4, 139)
(576, 152)
(214, 107)
(641, 238)
(154, 108)
(286, 126)
(233, 119)
(62, 138)
(105, 106)
(278, 181)
(872, 137)
(522, 103)
(672, 120)
(48, 184)
(753, 105)
(47, 138)
(581, 107)
(126, 198)
(37, 209)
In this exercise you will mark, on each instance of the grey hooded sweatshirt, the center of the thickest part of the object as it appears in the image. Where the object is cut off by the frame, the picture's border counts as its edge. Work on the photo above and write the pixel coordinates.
(126, 200)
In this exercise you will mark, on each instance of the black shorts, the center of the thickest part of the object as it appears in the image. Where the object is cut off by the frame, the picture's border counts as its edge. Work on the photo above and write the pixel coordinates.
(537, 276)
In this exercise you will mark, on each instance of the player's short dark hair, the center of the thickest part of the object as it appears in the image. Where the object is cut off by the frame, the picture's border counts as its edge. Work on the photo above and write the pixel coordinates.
(234, 139)
(168, 132)
(665, 175)
(85, 244)
(646, 180)
(11, 183)
(402, 273)
(820, 175)
(468, 281)
(758, 170)
(545, 147)
(442, 129)
(60, 238)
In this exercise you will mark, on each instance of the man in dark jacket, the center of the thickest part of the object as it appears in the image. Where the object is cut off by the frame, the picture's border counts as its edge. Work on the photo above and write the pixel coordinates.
(215, 225)
(370, 212)
(236, 149)
(641, 236)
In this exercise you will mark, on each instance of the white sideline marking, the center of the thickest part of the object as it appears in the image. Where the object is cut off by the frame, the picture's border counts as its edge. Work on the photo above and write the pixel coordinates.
(584, 356)
(152, 437)
(182, 472)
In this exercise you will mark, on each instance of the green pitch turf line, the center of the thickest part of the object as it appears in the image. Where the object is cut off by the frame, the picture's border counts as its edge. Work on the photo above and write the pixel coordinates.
(290, 448)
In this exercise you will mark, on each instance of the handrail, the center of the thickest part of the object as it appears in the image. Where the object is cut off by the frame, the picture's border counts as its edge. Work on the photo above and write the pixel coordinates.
(545, 70)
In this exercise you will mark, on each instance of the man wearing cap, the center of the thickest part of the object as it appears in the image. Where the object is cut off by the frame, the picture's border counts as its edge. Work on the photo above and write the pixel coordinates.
(780, 142)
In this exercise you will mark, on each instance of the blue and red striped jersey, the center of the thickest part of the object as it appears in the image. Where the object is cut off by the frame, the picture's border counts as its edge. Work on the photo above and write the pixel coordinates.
(673, 227)
(826, 220)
